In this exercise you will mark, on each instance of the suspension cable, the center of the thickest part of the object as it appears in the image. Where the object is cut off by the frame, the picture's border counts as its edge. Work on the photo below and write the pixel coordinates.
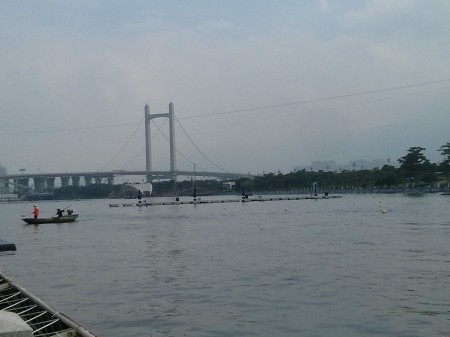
(143, 148)
(123, 146)
(198, 149)
(178, 151)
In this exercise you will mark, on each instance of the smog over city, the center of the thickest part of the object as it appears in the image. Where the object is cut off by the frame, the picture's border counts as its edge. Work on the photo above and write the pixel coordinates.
(257, 86)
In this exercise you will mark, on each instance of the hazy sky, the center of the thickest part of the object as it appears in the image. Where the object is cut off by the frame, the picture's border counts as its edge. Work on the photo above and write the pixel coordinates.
(258, 85)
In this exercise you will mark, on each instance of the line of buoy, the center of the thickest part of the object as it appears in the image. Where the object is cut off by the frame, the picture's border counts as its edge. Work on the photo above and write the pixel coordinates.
(220, 201)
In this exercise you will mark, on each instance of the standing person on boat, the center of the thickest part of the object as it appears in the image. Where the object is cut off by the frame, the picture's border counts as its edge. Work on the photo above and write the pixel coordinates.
(35, 211)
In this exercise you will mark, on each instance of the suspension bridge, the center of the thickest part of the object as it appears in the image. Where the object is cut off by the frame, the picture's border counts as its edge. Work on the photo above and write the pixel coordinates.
(45, 181)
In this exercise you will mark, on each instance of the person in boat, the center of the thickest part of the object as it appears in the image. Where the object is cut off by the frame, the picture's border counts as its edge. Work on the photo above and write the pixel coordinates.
(140, 195)
(35, 211)
(69, 211)
(59, 212)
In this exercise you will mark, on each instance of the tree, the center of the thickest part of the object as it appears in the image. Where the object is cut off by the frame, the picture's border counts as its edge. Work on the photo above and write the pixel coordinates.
(445, 165)
(414, 163)
(445, 152)
(388, 176)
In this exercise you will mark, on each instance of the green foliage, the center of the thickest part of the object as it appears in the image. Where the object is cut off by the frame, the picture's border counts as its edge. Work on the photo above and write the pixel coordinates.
(203, 187)
(445, 151)
(414, 162)
(429, 177)
(445, 164)
(386, 177)
(94, 191)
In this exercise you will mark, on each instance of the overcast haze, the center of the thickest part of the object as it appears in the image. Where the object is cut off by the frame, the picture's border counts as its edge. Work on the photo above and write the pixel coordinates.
(259, 86)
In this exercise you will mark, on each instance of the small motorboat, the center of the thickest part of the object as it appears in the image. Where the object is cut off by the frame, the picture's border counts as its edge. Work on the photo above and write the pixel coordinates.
(53, 219)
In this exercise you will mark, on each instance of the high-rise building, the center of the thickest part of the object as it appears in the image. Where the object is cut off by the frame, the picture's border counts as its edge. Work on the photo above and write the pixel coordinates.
(2, 183)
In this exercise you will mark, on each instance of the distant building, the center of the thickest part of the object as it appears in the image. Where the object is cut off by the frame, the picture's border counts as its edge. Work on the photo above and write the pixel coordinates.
(2, 170)
(228, 185)
(354, 165)
(2, 183)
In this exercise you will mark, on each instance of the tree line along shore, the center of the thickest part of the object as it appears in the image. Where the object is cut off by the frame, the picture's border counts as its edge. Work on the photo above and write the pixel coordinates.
(414, 173)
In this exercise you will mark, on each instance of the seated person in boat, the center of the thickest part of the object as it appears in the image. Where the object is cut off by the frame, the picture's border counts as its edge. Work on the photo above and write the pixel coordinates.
(59, 212)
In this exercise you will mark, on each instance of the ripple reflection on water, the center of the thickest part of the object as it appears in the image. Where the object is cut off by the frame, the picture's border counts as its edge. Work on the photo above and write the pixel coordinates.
(283, 268)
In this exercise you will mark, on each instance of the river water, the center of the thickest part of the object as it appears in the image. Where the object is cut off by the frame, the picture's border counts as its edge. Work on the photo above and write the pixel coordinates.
(363, 265)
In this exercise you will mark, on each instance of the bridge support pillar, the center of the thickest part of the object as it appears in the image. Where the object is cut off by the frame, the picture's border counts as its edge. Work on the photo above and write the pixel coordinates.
(173, 162)
(6, 186)
(148, 146)
(50, 181)
(15, 187)
(98, 180)
(39, 184)
(76, 181)
(21, 186)
(24, 181)
(110, 180)
(65, 181)
(88, 180)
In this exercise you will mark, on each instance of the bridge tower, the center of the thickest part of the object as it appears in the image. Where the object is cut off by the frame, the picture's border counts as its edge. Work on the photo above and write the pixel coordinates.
(148, 144)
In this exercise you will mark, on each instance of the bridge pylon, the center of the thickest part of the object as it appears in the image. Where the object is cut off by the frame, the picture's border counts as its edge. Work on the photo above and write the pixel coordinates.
(148, 144)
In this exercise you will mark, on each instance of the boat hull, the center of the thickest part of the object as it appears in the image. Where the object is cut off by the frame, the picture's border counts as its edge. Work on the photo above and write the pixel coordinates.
(53, 219)
(37, 314)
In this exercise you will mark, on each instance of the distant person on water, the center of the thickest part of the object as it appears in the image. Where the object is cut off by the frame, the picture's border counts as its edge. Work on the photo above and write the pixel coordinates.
(140, 194)
(59, 212)
(35, 211)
